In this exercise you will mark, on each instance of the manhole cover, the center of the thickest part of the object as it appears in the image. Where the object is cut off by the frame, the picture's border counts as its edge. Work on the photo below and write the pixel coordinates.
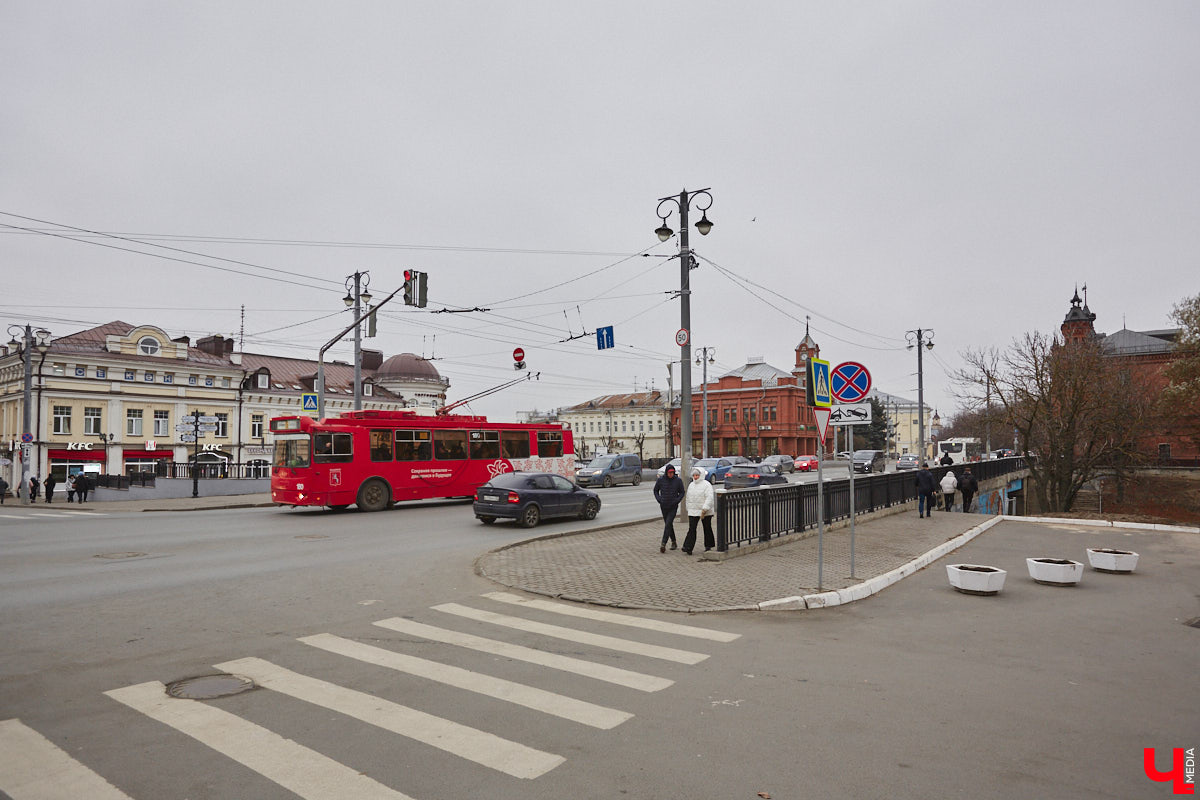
(1194, 622)
(206, 687)
(312, 536)
(119, 555)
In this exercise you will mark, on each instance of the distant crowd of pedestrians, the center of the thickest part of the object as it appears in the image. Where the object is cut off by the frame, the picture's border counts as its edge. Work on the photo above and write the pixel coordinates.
(78, 486)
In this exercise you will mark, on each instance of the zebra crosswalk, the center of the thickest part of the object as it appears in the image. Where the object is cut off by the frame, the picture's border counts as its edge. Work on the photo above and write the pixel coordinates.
(39, 769)
(29, 514)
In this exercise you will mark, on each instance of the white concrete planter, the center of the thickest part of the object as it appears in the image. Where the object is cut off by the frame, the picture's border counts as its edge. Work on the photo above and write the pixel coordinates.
(1055, 571)
(975, 578)
(1106, 559)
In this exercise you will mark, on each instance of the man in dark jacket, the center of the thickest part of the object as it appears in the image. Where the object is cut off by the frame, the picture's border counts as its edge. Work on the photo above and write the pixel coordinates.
(51, 482)
(34, 487)
(926, 487)
(968, 486)
(82, 486)
(947, 460)
(668, 491)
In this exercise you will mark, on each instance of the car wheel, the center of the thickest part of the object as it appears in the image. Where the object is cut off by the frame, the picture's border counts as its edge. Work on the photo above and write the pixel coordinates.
(590, 509)
(607, 482)
(530, 516)
(488, 520)
(637, 478)
(373, 496)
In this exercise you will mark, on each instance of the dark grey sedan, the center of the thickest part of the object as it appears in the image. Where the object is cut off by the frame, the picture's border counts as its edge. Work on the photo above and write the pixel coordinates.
(528, 497)
(745, 476)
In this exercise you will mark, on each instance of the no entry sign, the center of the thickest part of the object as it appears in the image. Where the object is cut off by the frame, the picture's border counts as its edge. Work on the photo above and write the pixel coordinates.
(518, 354)
(850, 382)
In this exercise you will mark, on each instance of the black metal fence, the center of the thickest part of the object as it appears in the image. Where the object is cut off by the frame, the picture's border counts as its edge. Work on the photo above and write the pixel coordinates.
(183, 470)
(759, 515)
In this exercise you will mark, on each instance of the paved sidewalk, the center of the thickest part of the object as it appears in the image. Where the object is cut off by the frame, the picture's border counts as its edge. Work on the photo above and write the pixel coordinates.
(622, 566)
(169, 504)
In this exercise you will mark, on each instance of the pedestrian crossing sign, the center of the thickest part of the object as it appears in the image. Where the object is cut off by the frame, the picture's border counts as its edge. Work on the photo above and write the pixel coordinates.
(819, 394)
(309, 401)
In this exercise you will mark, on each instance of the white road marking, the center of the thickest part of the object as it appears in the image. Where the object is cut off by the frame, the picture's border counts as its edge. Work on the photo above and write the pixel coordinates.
(34, 768)
(85, 513)
(617, 619)
(601, 672)
(538, 699)
(15, 516)
(293, 766)
(53, 514)
(475, 745)
(571, 635)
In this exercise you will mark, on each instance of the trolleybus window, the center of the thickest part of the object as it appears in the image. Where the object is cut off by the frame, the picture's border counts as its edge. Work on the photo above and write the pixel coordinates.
(550, 444)
(485, 444)
(450, 445)
(413, 446)
(381, 445)
(291, 452)
(333, 448)
(515, 444)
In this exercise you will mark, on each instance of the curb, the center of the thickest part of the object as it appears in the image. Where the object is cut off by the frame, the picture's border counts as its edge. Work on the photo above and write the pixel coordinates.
(1104, 523)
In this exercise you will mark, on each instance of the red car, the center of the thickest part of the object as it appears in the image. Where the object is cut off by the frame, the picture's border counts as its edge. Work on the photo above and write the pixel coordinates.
(806, 463)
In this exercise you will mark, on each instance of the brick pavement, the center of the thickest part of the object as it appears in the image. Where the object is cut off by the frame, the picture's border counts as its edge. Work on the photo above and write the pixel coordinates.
(622, 566)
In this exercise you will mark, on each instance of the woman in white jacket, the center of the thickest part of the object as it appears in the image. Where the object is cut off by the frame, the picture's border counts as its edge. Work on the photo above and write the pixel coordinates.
(700, 502)
(949, 484)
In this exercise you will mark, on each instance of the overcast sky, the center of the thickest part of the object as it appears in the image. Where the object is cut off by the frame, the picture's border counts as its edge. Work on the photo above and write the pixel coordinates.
(959, 166)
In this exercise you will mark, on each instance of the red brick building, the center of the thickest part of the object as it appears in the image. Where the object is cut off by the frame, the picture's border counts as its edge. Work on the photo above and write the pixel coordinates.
(1145, 354)
(756, 410)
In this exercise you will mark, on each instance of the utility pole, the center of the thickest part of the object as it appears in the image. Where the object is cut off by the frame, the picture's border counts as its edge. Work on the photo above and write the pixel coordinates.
(920, 338)
(705, 358)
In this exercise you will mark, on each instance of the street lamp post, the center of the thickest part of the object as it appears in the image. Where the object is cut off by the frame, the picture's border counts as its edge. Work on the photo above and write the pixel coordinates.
(920, 338)
(360, 295)
(682, 203)
(704, 359)
(42, 343)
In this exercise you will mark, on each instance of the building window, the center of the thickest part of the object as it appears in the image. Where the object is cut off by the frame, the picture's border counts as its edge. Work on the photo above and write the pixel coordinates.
(168, 377)
(264, 380)
(60, 369)
(62, 419)
(368, 389)
(256, 426)
(91, 421)
(101, 372)
(225, 383)
(130, 375)
(148, 377)
(148, 346)
(641, 425)
(162, 424)
(623, 428)
(222, 426)
(772, 413)
(133, 422)
(660, 426)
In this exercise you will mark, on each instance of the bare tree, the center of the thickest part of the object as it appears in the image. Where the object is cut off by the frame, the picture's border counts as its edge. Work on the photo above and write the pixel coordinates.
(1075, 410)
(1180, 401)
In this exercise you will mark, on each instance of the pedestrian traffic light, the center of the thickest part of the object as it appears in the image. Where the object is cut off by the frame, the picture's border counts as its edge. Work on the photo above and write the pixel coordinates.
(409, 287)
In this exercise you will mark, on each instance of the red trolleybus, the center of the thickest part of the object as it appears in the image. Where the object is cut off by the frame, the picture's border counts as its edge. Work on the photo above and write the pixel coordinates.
(374, 458)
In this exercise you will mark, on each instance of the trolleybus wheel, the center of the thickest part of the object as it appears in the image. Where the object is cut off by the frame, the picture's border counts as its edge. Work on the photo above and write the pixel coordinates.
(373, 496)
(531, 516)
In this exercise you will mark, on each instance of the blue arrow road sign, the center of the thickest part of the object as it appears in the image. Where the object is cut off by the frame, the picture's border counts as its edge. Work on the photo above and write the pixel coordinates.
(850, 382)
(604, 338)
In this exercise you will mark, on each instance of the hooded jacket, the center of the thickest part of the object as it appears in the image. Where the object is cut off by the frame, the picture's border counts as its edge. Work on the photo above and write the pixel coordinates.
(701, 499)
(668, 490)
(949, 483)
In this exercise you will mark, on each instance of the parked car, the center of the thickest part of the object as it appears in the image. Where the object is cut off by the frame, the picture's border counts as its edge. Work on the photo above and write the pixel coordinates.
(785, 463)
(1006, 452)
(869, 461)
(806, 463)
(611, 469)
(908, 461)
(529, 497)
(744, 476)
(844, 455)
(674, 462)
(716, 468)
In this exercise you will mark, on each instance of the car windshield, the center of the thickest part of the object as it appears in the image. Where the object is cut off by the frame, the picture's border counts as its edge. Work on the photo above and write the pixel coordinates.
(864, 453)
(602, 462)
(510, 480)
(707, 463)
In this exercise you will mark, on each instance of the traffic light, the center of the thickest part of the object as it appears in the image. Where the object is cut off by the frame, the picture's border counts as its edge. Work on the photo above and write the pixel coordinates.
(409, 287)
(421, 289)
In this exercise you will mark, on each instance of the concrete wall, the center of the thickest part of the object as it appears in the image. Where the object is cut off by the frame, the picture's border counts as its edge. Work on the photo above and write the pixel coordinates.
(165, 488)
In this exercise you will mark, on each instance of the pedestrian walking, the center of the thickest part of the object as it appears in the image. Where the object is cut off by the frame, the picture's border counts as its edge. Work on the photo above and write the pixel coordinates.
(83, 485)
(70, 488)
(949, 484)
(968, 486)
(3, 490)
(668, 491)
(700, 502)
(946, 460)
(34, 487)
(926, 488)
(51, 482)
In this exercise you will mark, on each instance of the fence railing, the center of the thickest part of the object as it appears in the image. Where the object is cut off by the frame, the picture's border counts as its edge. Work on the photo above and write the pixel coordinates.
(759, 515)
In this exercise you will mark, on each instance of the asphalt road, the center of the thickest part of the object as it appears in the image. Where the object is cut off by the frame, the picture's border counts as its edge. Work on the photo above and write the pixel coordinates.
(916, 692)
